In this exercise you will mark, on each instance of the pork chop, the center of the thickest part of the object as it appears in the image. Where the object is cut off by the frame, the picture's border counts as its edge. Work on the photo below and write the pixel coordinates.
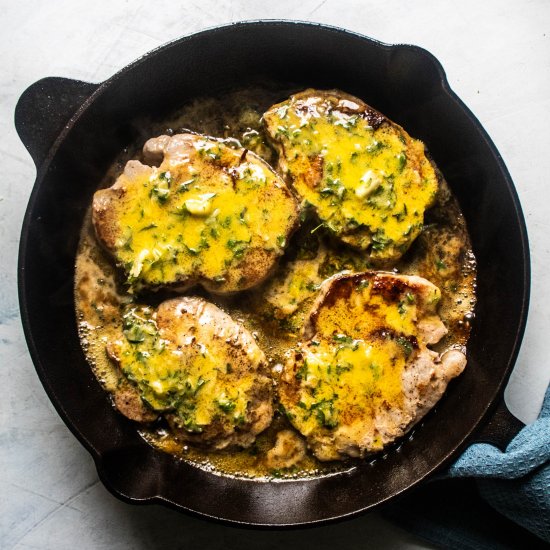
(193, 363)
(209, 214)
(367, 179)
(364, 375)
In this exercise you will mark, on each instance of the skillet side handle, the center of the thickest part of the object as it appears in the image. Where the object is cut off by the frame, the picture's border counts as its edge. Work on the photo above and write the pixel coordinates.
(44, 109)
(500, 428)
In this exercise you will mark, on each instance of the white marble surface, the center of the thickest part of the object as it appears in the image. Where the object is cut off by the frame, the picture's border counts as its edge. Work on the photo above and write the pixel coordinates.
(497, 58)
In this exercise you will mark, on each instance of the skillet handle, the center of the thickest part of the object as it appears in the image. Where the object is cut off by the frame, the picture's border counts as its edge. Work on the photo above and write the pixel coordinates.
(499, 428)
(44, 109)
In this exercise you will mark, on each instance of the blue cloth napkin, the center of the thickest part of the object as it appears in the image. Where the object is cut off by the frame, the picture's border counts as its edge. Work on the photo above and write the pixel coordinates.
(515, 483)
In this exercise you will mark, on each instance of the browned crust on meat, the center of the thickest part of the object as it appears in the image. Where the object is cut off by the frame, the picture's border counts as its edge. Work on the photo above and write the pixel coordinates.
(315, 173)
(104, 217)
(342, 286)
(348, 104)
(128, 401)
(259, 264)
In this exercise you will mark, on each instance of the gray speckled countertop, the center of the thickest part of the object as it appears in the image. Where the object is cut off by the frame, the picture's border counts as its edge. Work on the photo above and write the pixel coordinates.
(497, 58)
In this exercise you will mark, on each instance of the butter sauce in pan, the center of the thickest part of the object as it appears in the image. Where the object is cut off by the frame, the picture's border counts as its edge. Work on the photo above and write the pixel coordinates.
(274, 312)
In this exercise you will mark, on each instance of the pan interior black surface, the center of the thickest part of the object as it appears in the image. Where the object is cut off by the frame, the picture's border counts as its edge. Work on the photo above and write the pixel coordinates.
(409, 86)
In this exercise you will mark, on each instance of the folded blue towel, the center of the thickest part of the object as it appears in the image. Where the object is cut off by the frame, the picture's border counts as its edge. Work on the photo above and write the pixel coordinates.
(515, 482)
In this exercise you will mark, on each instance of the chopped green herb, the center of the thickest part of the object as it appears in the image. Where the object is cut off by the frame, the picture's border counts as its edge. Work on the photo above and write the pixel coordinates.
(283, 131)
(401, 161)
(287, 414)
(343, 367)
(227, 405)
(192, 251)
(134, 334)
(375, 146)
(301, 373)
(440, 264)
(184, 186)
(161, 194)
(311, 286)
(165, 176)
(226, 222)
(376, 370)
(238, 247)
(342, 338)
(150, 226)
(406, 345)
(380, 241)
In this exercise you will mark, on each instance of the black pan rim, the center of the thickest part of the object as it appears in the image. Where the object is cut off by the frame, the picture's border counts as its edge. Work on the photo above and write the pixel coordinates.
(43, 168)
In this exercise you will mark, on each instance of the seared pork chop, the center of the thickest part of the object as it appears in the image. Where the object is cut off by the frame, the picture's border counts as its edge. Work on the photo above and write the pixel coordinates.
(367, 179)
(209, 214)
(364, 375)
(193, 363)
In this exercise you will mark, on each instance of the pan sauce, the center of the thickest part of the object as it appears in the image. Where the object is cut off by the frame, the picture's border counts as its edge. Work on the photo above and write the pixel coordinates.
(275, 311)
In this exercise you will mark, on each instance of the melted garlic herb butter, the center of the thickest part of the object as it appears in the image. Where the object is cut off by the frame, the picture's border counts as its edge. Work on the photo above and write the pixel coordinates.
(193, 381)
(198, 215)
(369, 185)
(346, 378)
(355, 363)
(275, 311)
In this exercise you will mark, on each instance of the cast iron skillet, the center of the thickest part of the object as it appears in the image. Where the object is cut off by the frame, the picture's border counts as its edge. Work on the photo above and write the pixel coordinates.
(73, 130)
